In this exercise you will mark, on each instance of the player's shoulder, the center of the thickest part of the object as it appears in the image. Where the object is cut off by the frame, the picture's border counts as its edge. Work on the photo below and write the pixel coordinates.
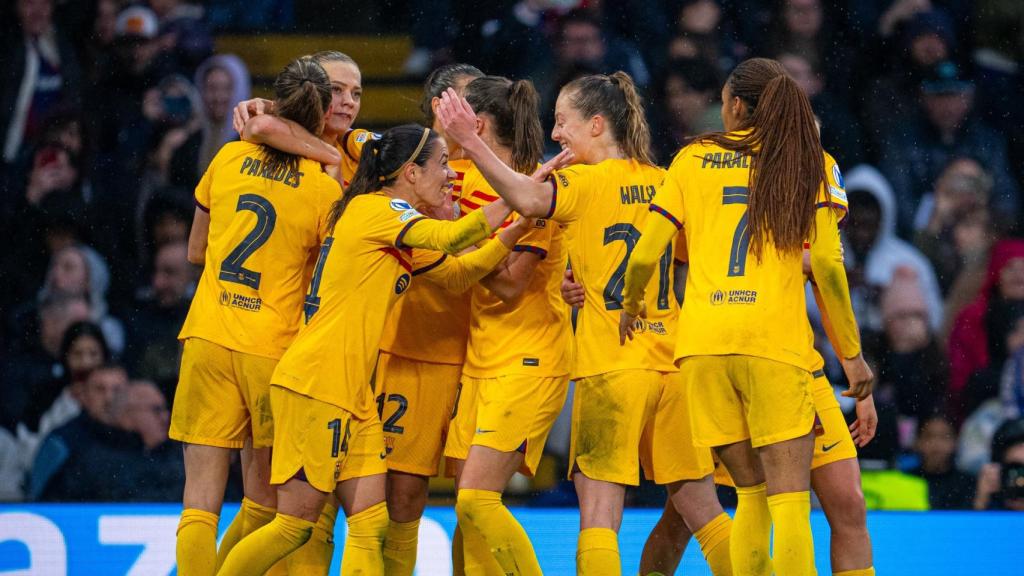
(353, 141)
(236, 149)
(836, 183)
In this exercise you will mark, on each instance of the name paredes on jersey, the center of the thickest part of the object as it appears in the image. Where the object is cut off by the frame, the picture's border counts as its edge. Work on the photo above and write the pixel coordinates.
(635, 194)
(242, 302)
(255, 167)
(725, 160)
(718, 297)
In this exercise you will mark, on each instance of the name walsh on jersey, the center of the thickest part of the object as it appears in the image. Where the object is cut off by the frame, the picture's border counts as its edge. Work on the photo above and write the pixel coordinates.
(636, 194)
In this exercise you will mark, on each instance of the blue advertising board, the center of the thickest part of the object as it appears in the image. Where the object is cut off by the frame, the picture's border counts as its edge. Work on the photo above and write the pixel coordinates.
(138, 540)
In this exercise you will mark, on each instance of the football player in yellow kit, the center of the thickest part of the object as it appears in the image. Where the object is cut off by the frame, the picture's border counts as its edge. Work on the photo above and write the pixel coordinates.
(422, 351)
(339, 143)
(747, 200)
(320, 394)
(603, 201)
(260, 215)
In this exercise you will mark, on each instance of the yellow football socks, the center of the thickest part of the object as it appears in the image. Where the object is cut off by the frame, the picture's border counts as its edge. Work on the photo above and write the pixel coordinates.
(196, 548)
(749, 544)
(597, 553)
(364, 543)
(870, 571)
(713, 538)
(508, 542)
(314, 557)
(793, 547)
(251, 517)
(257, 552)
(400, 548)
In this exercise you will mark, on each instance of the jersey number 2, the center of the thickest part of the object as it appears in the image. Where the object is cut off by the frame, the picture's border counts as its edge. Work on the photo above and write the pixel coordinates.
(233, 269)
(613, 290)
(740, 238)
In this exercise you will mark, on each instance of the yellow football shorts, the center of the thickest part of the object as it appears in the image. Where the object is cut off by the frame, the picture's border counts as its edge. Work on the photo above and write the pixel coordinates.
(461, 424)
(836, 443)
(416, 402)
(626, 419)
(512, 413)
(745, 397)
(222, 397)
(322, 443)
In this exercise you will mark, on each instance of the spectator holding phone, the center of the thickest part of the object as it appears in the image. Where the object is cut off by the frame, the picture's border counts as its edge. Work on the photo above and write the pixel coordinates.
(1001, 482)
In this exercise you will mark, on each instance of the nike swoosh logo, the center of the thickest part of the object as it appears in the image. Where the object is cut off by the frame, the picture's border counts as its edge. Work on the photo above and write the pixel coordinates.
(827, 448)
(383, 455)
(479, 431)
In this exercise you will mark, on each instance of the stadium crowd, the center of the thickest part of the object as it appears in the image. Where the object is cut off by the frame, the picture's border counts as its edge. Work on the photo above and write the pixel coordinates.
(110, 112)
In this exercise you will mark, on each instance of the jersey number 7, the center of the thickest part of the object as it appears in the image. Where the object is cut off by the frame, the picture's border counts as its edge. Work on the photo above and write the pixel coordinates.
(613, 290)
(740, 238)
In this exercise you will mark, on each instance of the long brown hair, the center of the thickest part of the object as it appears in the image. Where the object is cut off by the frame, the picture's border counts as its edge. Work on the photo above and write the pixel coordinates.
(302, 94)
(381, 161)
(514, 108)
(787, 164)
(615, 98)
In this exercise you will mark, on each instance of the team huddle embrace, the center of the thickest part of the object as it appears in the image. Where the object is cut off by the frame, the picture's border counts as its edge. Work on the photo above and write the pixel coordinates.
(376, 307)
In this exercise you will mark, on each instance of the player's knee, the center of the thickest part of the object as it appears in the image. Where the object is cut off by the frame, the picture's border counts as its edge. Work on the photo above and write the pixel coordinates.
(848, 513)
(370, 524)
(406, 505)
(472, 505)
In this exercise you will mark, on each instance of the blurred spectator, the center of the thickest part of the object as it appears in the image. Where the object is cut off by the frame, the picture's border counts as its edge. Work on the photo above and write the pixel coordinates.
(32, 364)
(687, 99)
(953, 223)
(997, 58)
(81, 270)
(944, 128)
(514, 43)
(702, 33)
(223, 82)
(874, 252)
(925, 39)
(77, 462)
(971, 341)
(252, 15)
(83, 349)
(912, 362)
(184, 36)
(156, 472)
(802, 27)
(1011, 388)
(840, 131)
(41, 72)
(948, 488)
(1001, 482)
(160, 311)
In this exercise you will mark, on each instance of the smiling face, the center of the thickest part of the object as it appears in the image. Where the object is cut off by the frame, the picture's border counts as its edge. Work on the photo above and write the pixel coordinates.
(572, 130)
(346, 97)
(432, 182)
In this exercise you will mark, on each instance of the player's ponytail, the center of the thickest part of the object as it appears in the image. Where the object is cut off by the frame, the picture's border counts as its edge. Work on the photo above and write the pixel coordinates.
(615, 98)
(302, 94)
(441, 79)
(787, 166)
(515, 119)
(382, 161)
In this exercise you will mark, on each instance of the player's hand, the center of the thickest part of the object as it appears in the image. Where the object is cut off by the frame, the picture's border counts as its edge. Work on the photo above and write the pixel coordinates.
(863, 428)
(572, 293)
(247, 109)
(516, 230)
(860, 377)
(561, 160)
(627, 324)
(457, 117)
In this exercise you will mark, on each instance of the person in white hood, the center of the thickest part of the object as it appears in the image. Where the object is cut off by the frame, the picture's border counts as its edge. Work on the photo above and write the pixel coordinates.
(874, 252)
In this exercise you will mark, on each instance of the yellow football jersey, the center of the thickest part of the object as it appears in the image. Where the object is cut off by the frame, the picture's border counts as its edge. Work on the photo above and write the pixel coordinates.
(735, 304)
(362, 269)
(434, 322)
(604, 207)
(530, 336)
(351, 147)
(265, 228)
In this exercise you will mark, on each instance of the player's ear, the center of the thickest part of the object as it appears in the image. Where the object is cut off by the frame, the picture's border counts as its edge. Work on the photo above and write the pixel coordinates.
(479, 126)
(596, 125)
(435, 103)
